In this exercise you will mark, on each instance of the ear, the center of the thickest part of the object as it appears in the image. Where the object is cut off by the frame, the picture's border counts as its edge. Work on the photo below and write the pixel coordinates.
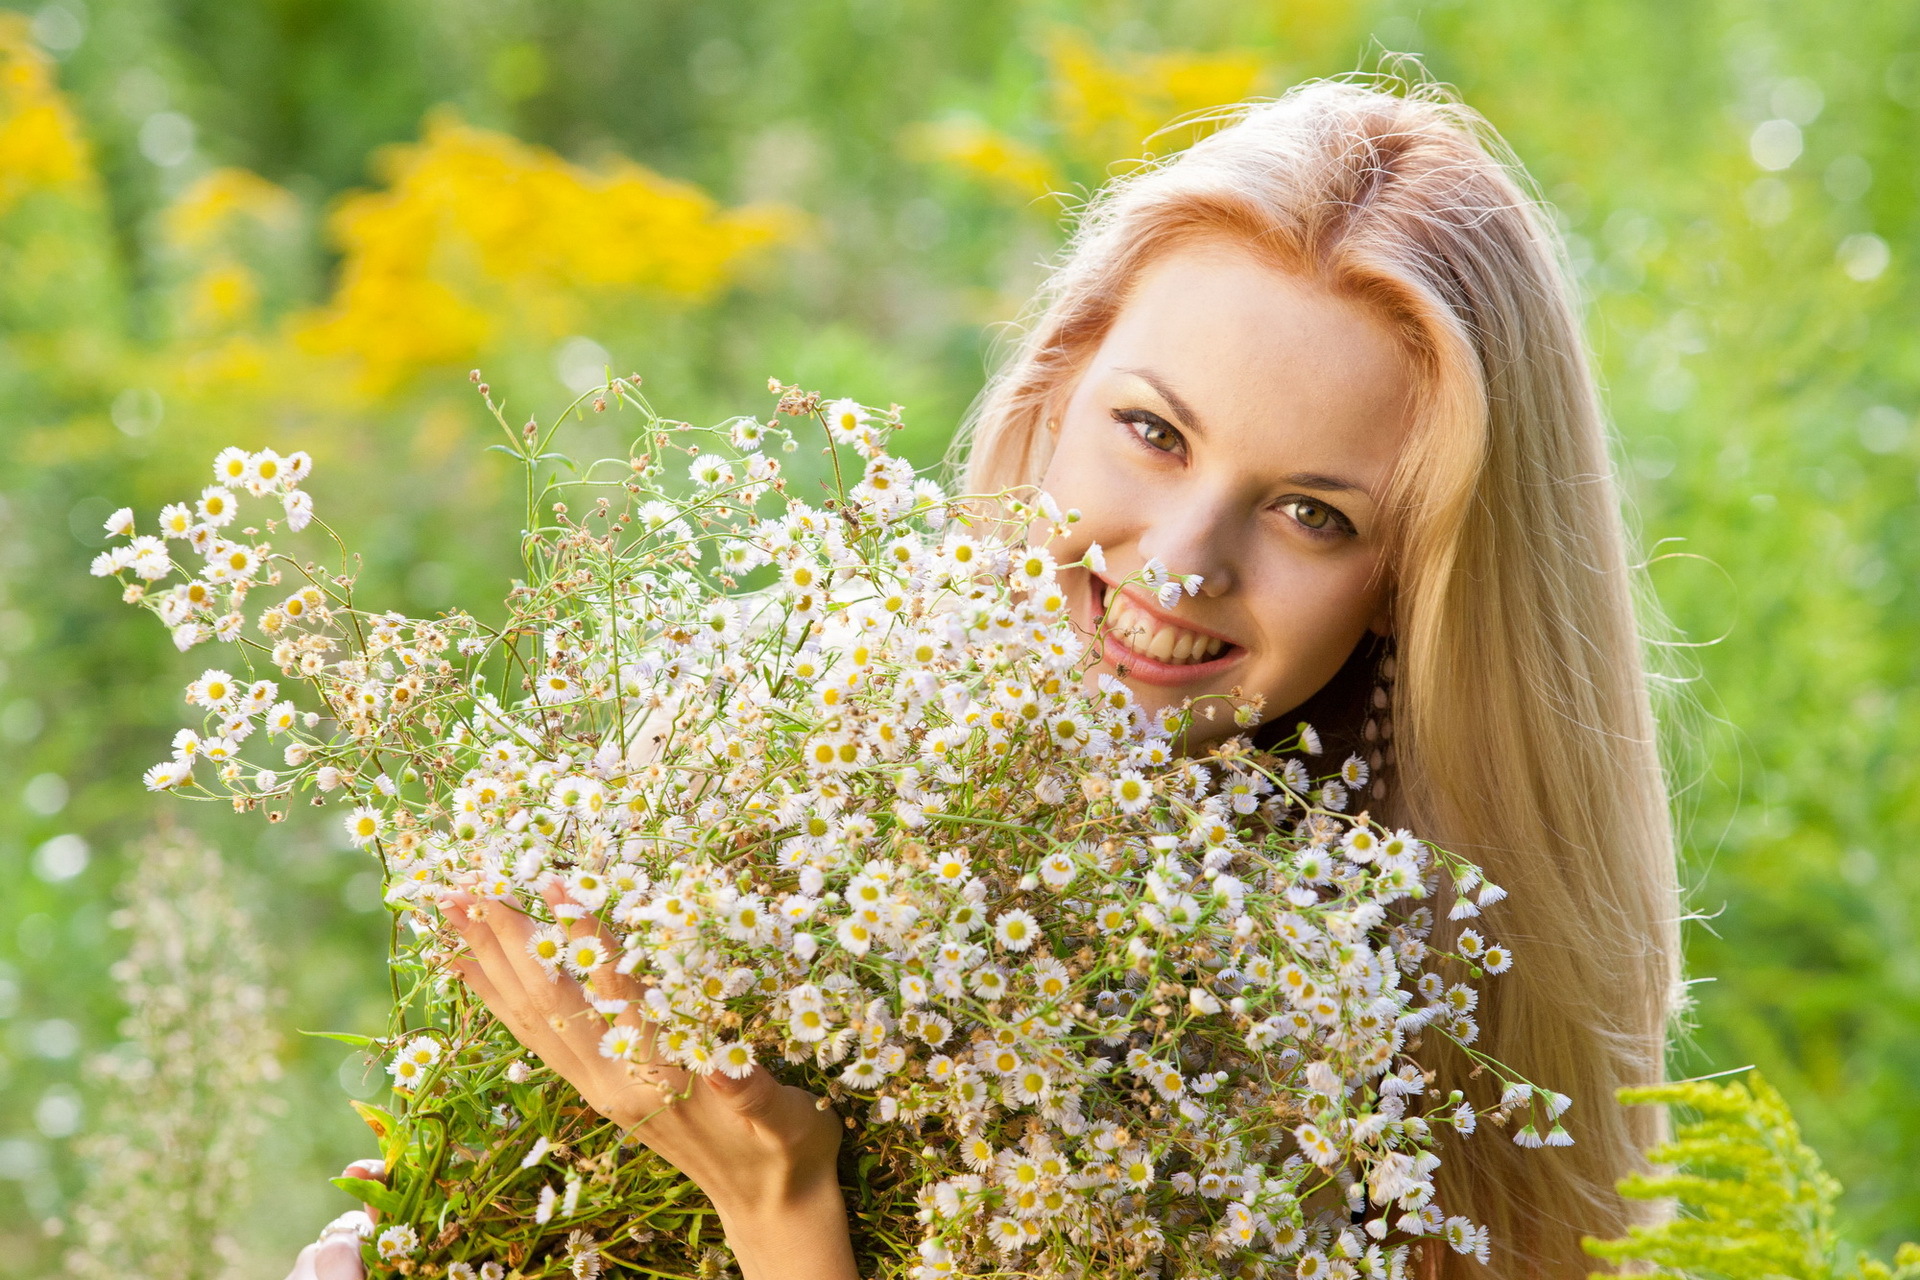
(1058, 400)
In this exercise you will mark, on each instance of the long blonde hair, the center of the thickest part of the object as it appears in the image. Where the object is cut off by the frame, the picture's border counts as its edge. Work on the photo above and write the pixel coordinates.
(1526, 737)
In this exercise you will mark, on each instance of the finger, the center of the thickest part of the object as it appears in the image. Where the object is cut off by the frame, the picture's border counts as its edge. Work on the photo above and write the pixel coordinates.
(551, 1018)
(531, 996)
(763, 1102)
(613, 1089)
(303, 1265)
(606, 981)
(498, 936)
(528, 1028)
(511, 930)
(579, 921)
(372, 1169)
(582, 1039)
(752, 1097)
(339, 1259)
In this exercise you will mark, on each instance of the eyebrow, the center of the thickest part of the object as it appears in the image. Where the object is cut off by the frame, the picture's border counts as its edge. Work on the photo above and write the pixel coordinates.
(1190, 420)
(1314, 480)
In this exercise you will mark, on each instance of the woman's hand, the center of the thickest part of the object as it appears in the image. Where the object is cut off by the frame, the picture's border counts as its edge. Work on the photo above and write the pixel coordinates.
(336, 1254)
(763, 1152)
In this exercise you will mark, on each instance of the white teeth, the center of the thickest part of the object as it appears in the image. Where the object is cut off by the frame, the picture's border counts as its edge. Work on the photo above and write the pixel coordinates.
(1147, 635)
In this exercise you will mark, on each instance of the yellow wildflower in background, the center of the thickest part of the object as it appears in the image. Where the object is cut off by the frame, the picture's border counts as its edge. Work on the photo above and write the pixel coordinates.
(209, 229)
(213, 206)
(1109, 108)
(40, 143)
(1015, 168)
(1104, 110)
(476, 226)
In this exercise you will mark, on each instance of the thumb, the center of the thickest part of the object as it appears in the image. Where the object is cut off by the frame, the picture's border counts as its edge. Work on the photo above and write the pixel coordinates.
(751, 1095)
(339, 1259)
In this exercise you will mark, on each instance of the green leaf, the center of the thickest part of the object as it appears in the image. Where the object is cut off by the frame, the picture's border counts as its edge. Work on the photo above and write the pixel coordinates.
(358, 1042)
(375, 1195)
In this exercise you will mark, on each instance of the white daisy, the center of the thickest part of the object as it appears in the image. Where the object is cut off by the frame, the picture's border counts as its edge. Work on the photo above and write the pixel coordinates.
(397, 1242)
(547, 945)
(1016, 930)
(1132, 791)
(365, 825)
(621, 1043)
(230, 466)
(735, 1059)
(583, 955)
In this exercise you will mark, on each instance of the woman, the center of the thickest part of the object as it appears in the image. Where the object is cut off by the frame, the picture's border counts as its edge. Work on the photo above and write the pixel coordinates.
(1328, 359)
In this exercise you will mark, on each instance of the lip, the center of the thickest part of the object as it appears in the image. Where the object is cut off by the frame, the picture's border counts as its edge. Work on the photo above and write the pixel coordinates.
(1133, 665)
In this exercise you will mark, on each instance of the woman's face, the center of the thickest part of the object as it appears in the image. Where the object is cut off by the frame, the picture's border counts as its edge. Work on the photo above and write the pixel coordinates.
(1238, 423)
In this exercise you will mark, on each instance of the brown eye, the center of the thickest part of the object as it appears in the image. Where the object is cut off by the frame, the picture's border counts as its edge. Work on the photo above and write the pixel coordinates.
(1160, 436)
(1151, 429)
(1318, 517)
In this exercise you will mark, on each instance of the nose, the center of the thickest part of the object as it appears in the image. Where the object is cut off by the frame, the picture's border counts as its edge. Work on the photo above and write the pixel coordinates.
(1195, 534)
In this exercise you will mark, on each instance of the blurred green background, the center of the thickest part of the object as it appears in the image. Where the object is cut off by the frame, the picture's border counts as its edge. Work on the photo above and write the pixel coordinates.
(298, 223)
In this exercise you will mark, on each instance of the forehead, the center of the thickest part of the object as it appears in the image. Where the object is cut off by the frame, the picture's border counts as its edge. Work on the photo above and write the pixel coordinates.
(1253, 349)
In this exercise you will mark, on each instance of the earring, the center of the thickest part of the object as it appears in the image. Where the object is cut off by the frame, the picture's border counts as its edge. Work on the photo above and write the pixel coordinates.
(1378, 730)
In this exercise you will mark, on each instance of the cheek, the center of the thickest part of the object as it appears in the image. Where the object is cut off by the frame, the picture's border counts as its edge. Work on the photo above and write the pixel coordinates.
(1080, 476)
(1310, 612)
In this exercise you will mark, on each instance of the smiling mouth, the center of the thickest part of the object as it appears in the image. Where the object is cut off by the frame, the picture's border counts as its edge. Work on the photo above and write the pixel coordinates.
(1139, 643)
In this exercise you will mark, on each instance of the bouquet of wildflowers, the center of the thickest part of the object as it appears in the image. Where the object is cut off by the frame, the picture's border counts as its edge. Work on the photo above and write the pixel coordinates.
(837, 780)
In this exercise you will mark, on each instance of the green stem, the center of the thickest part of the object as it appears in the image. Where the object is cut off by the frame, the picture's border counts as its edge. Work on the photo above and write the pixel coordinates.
(430, 1170)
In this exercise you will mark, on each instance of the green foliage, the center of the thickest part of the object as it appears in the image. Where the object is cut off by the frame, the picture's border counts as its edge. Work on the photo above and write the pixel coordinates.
(1753, 1201)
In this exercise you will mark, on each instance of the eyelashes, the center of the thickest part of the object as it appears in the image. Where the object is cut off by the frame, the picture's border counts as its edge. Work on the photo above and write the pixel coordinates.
(1152, 430)
(1315, 518)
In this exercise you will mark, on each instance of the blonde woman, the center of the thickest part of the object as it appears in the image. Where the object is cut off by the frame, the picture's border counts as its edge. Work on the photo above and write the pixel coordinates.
(1328, 359)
